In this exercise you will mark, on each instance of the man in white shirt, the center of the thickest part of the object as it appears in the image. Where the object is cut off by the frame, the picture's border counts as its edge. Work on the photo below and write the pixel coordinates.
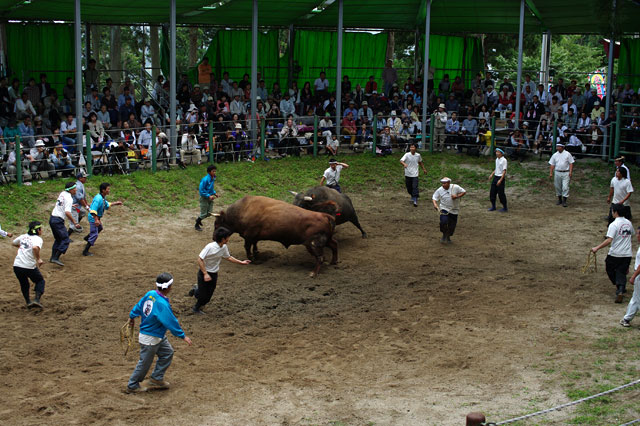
(619, 235)
(27, 262)
(562, 164)
(410, 161)
(208, 266)
(620, 190)
(321, 84)
(634, 303)
(62, 211)
(497, 178)
(332, 174)
(448, 195)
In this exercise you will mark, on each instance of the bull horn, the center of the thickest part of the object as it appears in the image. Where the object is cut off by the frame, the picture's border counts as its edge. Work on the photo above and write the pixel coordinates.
(294, 193)
(307, 198)
(216, 214)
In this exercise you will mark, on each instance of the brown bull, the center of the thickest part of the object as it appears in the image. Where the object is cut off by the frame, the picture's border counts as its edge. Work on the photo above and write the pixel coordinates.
(258, 218)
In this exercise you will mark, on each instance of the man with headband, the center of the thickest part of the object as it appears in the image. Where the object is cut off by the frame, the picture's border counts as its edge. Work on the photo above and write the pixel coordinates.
(156, 318)
(561, 163)
(497, 184)
(448, 195)
(96, 211)
(61, 211)
(27, 263)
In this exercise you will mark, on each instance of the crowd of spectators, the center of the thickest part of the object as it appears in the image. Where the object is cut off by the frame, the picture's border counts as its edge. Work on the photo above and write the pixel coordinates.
(121, 120)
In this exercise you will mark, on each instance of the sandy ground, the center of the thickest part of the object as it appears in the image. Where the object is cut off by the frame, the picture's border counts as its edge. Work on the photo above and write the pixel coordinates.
(403, 331)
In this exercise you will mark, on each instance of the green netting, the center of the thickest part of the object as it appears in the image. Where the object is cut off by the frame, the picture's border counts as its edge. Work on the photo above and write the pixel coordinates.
(449, 56)
(629, 62)
(32, 49)
(363, 55)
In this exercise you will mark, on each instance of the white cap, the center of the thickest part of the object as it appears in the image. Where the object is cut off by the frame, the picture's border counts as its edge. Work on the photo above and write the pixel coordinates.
(238, 126)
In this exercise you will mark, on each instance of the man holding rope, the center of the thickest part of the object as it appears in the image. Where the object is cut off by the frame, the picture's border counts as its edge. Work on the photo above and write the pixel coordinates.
(448, 195)
(61, 211)
(617, 262)
(157, 317)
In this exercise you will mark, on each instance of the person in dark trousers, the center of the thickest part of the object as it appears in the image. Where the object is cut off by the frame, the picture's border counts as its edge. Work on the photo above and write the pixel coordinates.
(156, 318)
(410, 161)
(62, 211)
(497, 178)
(27, 263)
(98, 206)
(209, 264)
(207, 195)
(619, 236)
(446, 200)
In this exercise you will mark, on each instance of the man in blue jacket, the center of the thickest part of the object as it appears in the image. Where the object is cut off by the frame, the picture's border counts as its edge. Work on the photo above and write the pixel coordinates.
(157, 317)
(207, 195)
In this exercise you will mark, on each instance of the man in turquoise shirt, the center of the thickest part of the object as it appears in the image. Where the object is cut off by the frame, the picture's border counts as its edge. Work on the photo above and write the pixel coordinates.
(96, 211)
(207, 195)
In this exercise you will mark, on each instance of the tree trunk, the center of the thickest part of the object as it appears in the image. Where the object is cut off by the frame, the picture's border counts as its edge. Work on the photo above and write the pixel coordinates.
(116, 58)
(391, 41)
(95, 44)
(193, 46)
(154, 47)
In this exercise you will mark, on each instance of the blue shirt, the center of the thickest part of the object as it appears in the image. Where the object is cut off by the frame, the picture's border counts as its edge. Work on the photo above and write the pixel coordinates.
(157, 316)
(97, 207)
(206, 186)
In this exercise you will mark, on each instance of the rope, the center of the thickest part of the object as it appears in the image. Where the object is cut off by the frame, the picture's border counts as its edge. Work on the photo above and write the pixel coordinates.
(568, 404)
(126, 337)
(632, 422)
(591, 261)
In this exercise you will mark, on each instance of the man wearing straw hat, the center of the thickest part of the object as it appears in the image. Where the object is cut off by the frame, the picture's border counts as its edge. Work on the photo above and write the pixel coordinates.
(561, 169)
(497, 178)
(156, 318)
(448, 195)
(439, 121)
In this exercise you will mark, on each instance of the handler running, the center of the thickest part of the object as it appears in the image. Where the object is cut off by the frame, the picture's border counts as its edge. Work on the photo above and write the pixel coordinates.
(157, 317)
(448, 195)
(410, 161)
(96, 211)
(207, 195)
(562, 164)
(27, 262)
(209, 264)
(61, 211)
(332, 174)
(619, 236)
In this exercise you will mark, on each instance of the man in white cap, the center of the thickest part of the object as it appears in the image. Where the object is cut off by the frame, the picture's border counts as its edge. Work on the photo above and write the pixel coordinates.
(448, 195)
(332, 174)
(561, 163)
(38, 161)
(157, 317)
(439, 121)
(497, 178)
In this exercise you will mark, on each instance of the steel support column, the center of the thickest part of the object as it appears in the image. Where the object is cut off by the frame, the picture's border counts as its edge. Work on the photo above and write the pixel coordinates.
(425, 79)
(609, 89)
(339, 69)
(519, 77)
(78, 74)
(254, 74)
(173, 135)
(544, 59)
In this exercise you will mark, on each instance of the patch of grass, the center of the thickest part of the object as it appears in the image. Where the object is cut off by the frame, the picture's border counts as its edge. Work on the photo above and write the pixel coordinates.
(168, 192)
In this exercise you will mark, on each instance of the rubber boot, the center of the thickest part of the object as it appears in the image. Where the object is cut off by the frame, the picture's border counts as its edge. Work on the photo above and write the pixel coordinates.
(53, 254)
(56, 258)
(564, 201)
(85, 252)
(559, 200)
(36, 301)
(198, 226)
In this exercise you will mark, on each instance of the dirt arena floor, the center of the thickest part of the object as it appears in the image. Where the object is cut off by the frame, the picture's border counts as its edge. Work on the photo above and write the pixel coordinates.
(403, 331)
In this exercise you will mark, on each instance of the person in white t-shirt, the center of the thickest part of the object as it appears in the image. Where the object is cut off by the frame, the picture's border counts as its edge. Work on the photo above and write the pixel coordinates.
(619, 162)
(497, 178)
(61, 211)
(209, 264)
(620, 190)
(448, 196)
(410, 161)
(617, 262)
(634, 303)
(5, 233)
(561, 163)
(332, 174)
(27, 263)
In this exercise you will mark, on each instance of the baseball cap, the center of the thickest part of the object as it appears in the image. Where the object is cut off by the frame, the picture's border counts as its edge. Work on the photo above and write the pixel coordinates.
(81, 174)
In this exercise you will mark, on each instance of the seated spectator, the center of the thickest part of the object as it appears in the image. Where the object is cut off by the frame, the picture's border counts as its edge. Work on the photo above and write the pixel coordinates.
(346, 84)
(553, 92)
(10, 165)
(332, 146)
(477, 100)
(326, 128)
(491, 97)
(469, 131)
(358, 95)
(396, 103)
(93, 98)
(189, 145)
(237, 106)
(364, 136)
(330, 105)
(227, 85)
(506, 99)
(276, 92)
(348, 127)
(519, 145)
(569, 105)
(129, 136)
(365, 114)
(126, 110)
(452, 104)
(506, 83)
(384, 148)
(134, 124)
(583, 126)
(38, 159)
(104, 117)
(96, 130)
(596, 111)
(23, 107)
(484, 136)
(457, 88)
(148, 112)
(544, 136)
(374, 101)
(68, 132)
(126, 93)
(27, 132)
(371, 85)
(351, 109)
(33, 92)
(86, 111)
(444, 87)
(554, 108)
(287, 106)
(53, 111)
(61, 161)
(484, 113)
(452, 130)
(528, 96)
(380, 123)
(40, 130)
(570, 120)
(395, 126)
(289, 139)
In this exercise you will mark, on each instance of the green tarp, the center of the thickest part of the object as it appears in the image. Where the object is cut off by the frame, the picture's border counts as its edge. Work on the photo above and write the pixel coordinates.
(363, 54)
(629, 62)
(48, 48)
(449, 56)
